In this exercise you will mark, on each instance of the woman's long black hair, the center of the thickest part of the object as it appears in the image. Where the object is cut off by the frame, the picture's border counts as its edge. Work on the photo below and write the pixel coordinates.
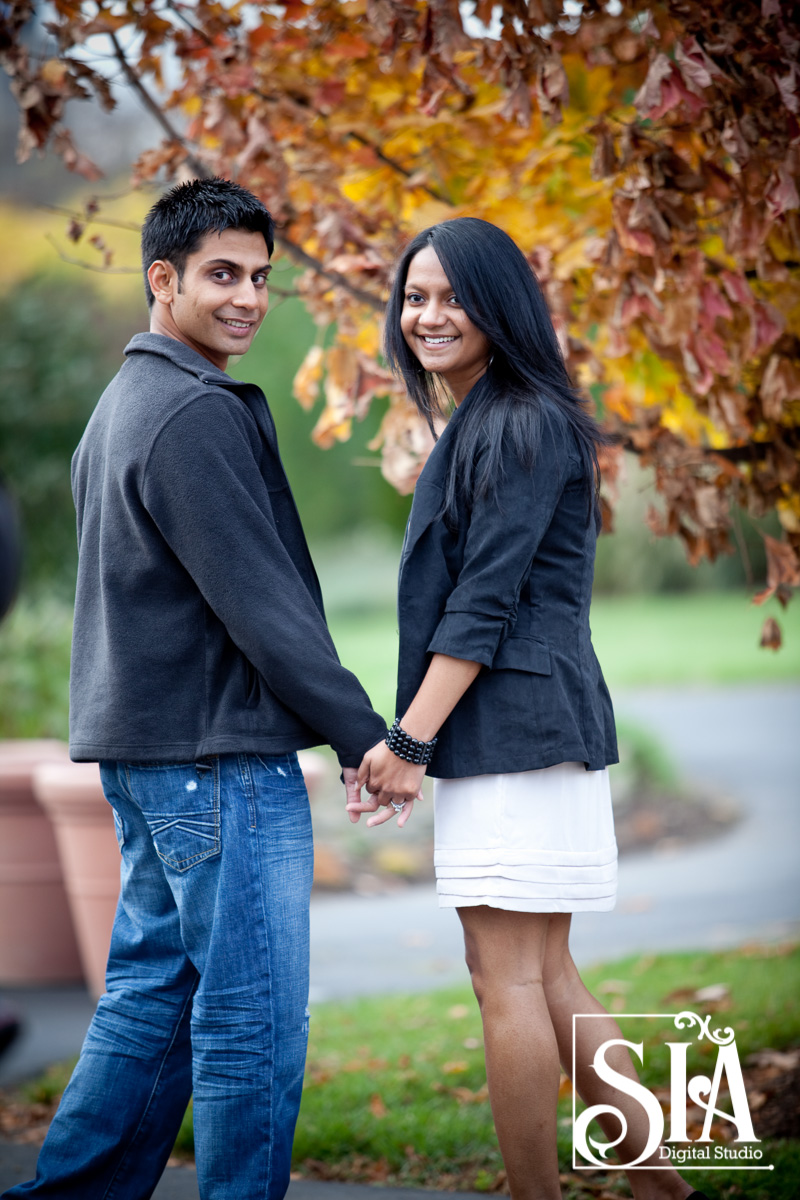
(526, 378)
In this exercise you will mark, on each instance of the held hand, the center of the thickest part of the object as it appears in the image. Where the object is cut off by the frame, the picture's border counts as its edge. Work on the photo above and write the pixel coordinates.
(352, 792)
(390, 782)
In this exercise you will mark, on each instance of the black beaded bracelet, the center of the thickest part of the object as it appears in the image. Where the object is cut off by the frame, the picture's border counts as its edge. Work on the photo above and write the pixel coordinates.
(405, 746)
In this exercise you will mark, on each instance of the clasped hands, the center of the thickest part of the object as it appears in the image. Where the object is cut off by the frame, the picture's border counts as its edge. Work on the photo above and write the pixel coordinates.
(387, 780)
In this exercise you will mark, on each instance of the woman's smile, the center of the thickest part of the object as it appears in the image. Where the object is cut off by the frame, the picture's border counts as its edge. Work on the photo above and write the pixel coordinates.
(437, 329)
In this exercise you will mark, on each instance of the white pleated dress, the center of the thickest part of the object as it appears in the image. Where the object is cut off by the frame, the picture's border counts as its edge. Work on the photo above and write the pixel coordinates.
(531, 841)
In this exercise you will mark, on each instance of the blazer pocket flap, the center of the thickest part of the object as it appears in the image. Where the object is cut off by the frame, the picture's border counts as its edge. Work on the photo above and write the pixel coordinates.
(523, 654)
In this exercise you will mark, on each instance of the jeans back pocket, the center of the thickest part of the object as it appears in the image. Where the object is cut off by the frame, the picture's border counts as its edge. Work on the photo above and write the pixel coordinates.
(180, 802)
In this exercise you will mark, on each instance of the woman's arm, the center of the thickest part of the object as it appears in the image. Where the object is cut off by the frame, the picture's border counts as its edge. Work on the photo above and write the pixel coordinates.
(504, 531)
(389, 778)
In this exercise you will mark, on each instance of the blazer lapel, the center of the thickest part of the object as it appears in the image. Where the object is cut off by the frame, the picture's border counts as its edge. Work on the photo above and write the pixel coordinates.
(430, 486)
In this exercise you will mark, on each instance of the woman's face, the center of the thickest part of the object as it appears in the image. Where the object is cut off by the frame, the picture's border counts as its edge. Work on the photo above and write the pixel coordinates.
(436, 328)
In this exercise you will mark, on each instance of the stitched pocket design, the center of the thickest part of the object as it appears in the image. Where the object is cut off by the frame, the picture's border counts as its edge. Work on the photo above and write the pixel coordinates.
(181, 807)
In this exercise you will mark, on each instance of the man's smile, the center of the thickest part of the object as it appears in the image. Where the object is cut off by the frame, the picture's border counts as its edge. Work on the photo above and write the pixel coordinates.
(236, 323)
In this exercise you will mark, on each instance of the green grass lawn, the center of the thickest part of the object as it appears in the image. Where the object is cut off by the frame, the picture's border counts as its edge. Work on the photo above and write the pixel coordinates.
(397, 1091)
(395, 1086)
(691, 637)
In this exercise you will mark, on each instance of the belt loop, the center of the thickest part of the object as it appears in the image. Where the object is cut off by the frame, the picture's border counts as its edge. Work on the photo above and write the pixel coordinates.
(246, 775)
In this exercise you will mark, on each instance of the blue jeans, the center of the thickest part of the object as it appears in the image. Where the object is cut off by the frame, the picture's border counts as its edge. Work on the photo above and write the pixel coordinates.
(207, 987)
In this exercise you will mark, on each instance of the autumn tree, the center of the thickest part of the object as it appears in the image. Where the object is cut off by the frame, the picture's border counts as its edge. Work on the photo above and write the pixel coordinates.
(646, 159)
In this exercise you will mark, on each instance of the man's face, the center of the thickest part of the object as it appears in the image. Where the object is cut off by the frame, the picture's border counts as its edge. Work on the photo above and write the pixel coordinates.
(219, 304)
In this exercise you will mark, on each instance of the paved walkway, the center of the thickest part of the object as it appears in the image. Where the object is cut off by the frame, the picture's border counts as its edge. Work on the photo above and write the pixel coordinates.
(741, 742)
(18, 1163)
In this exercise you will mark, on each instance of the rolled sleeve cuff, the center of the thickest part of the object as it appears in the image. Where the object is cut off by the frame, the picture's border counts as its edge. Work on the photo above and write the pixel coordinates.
(468, 635)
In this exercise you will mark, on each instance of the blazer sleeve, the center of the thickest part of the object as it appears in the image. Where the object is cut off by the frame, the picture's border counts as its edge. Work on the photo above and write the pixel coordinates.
(203, 488)
(504, 532)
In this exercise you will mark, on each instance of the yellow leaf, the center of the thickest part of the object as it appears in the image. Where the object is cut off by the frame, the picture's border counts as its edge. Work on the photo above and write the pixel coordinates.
(306, 382)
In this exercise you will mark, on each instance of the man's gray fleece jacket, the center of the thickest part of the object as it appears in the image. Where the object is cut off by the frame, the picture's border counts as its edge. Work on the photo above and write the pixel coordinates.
(199, 626)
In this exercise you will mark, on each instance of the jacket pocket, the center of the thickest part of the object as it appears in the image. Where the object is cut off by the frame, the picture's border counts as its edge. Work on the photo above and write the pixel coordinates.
(523, 654)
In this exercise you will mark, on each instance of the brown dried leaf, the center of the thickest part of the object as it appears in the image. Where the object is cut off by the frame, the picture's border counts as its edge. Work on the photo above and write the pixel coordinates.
(771, 638)
(783, 565)
(457, 1012)
(406, 442)
(780, 384)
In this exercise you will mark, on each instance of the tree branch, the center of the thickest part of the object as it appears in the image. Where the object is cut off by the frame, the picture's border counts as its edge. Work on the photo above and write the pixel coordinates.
(750, 452)
(201, 33)
(154, 108)
(87, 266)
(305, 103)
(434, 193)
(131, 226)
(304, 259)
(295, 252)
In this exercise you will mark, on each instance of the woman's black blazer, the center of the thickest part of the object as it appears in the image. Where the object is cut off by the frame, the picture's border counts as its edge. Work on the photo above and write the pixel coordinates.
(511, 590)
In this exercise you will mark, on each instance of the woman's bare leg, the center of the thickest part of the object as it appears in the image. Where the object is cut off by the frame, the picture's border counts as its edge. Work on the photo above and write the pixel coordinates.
(505, 956)
(566, 994)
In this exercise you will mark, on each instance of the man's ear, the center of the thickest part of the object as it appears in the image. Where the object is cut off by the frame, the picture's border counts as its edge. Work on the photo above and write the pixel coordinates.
(163, 280)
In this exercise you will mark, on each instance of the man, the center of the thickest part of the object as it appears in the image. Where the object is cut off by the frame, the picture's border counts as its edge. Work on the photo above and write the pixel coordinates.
(201, 664)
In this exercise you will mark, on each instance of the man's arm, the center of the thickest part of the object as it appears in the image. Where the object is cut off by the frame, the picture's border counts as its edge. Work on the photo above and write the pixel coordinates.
(204, 490)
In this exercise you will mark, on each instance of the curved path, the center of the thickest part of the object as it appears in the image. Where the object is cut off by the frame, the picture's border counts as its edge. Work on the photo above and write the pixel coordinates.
(740, 741)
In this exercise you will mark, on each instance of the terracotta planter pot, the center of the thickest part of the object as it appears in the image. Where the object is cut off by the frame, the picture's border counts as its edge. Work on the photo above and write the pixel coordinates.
(72, 795)
(37, 941)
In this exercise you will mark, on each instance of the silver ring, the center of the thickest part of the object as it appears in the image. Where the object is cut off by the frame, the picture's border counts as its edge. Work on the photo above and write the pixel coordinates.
(398, 808)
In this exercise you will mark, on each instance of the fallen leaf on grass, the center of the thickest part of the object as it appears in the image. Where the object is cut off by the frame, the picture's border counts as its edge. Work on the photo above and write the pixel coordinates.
(465, 1095)
(454, 1068)
(458, 1012)
(613, 987)
(368, 1064)
(377, 1107)
(713, 994)
(784, 1060)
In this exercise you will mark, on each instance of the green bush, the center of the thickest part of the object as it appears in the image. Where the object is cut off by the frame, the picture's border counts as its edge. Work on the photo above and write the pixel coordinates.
(58, 350)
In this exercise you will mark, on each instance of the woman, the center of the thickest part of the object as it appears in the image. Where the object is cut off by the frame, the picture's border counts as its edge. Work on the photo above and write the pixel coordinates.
(500, 695)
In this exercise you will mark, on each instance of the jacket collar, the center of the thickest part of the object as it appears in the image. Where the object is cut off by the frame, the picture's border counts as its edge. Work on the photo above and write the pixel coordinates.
(182, 356)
